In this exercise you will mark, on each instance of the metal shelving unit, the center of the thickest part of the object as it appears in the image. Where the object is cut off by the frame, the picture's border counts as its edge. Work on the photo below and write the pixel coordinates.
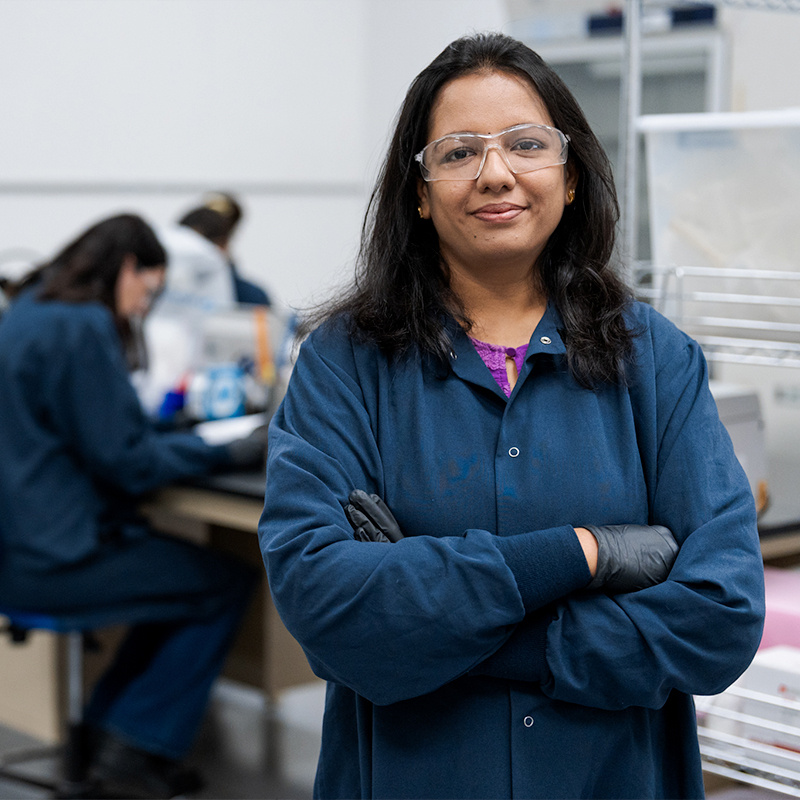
(742, 739)
(744, 316)
(631, 102)
(728, 312)
(736, 321)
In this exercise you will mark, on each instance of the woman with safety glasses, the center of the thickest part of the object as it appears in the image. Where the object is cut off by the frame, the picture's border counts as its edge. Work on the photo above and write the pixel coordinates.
(502, 516)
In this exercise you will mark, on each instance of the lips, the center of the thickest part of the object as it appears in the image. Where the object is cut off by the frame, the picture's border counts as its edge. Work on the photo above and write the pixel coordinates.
(498, 212)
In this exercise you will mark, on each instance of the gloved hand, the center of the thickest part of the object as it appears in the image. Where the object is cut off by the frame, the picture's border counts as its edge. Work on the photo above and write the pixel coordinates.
(250, 450)
(631, 557)
(371, 519)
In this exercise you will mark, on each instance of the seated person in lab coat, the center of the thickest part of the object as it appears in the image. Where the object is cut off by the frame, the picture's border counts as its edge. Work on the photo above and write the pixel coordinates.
(75, 452)
(217, 220)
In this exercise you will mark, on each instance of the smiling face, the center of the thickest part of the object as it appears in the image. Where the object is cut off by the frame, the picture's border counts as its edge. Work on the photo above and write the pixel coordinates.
(498, 219)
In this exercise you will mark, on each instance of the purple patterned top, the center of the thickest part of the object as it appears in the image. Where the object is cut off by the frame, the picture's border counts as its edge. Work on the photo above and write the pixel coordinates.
(494, 356)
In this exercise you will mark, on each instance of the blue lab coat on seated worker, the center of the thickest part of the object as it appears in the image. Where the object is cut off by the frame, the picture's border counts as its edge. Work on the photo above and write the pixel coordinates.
(247, 292)
(75, 451)
(467, 660)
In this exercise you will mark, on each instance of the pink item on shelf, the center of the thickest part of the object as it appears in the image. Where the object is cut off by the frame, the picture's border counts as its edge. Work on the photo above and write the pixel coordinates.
(782, 623)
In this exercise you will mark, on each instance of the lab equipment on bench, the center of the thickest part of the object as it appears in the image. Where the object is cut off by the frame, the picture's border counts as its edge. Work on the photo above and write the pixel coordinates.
(222, 431)
(215, 364)
(219, 391)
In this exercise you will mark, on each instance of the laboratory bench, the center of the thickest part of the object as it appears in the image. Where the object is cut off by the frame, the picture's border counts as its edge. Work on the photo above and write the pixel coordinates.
(222, 512)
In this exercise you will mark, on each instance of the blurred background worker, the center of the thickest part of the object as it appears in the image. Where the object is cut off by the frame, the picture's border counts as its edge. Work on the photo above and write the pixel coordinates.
(217, 220)
(203, 275)
(75, 450)
(202, 283)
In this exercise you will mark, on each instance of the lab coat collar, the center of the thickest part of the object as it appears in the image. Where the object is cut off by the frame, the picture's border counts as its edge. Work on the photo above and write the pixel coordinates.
(468, 365)
(547, 338)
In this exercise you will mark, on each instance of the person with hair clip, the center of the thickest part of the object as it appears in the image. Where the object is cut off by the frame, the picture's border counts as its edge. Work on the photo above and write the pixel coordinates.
(76, 450)
(502, 515)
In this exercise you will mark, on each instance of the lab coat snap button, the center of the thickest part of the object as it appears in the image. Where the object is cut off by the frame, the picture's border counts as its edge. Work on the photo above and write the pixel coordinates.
(514, 452)
(546, 340)
(528, 721)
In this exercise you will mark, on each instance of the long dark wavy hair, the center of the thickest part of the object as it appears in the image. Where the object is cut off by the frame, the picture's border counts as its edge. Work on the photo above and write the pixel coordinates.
(401, 295)
(87, 269)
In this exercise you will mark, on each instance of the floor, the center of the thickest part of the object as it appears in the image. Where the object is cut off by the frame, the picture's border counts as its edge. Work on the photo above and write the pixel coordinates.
(244, 749)
(248, 750)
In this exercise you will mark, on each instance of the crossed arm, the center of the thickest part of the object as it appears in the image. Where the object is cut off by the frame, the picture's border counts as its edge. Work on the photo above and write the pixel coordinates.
(620, 558)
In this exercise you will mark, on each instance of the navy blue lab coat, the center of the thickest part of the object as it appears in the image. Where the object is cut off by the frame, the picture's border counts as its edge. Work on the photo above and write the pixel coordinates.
(75, 451)
(468, 660)
(75, 445)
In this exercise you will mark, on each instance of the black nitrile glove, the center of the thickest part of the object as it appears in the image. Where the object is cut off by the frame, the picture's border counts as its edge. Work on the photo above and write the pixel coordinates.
(371, 519)
(631, 557)
(249, 451)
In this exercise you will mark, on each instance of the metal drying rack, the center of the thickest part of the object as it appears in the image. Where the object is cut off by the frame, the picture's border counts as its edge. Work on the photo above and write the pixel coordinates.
(727, 310)
(742, 737)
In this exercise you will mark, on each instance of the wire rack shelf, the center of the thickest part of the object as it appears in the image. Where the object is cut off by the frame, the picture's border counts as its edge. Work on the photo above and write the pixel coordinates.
(743, 736)
(745, 316)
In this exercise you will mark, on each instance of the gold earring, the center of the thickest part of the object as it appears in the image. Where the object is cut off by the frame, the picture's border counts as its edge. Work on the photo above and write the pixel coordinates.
(570, 196)
(419, 211)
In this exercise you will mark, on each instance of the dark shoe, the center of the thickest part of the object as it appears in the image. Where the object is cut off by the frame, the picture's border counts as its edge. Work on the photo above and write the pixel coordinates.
(126, 771)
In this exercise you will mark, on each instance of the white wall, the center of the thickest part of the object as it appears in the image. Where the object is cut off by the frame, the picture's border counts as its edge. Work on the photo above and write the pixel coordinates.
(402, 37)
(765, 59)
(146, 104)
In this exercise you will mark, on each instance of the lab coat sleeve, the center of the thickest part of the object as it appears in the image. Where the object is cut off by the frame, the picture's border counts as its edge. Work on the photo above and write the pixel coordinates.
(389, 621)
(699, 630)
(99, 414)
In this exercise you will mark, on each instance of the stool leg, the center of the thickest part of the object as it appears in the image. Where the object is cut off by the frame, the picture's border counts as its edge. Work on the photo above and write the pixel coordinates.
(75, 782)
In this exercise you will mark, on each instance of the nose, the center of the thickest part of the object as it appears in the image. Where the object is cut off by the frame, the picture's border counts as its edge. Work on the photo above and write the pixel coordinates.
(495, 172)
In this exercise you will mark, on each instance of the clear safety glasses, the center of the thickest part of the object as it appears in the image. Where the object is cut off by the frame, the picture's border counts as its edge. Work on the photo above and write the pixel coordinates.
(461, 156)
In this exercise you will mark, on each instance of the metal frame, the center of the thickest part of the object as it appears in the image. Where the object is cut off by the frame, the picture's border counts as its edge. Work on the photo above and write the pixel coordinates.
(741, 739)
(744, 333)
(739, 736)
(631, 104)
(72, 782)
(741, 328)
